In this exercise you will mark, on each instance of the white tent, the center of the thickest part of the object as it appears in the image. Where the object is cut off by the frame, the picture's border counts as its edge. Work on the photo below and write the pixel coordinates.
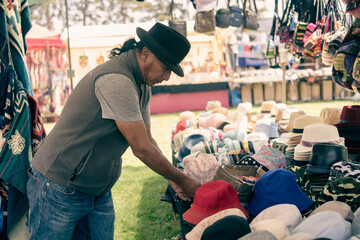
(90, 44)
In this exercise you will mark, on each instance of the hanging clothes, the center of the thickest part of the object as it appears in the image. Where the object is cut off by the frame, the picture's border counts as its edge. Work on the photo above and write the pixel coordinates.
(14, 24)
(6, 98)
(15, 154)
(38, 133)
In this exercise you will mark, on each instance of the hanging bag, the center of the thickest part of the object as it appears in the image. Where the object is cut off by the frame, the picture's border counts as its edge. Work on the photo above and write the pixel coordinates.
(236, 15)
(222, 17)
(178, 25)
(205, 21)
(250, 17)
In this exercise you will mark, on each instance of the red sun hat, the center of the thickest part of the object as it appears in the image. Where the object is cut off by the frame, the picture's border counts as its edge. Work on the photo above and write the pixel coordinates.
(210, 198)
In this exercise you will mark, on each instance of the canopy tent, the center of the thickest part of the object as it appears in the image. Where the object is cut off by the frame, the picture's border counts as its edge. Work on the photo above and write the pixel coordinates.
(39, 36)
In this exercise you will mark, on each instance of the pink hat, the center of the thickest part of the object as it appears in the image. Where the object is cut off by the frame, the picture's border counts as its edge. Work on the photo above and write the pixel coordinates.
(200, 166)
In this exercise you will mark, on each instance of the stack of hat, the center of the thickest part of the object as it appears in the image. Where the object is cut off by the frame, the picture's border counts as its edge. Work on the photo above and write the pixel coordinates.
(323, 156)
(349, 128)
(295, 136)
(316, 133)
(287, 125)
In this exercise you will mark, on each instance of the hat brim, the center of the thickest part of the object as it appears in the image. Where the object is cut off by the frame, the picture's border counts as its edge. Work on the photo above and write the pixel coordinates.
(347, 124)
(156, 48)
(194, 217)
(317, 169)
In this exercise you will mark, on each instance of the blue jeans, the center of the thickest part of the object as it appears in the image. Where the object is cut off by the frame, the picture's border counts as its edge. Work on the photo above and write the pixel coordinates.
(60, 213)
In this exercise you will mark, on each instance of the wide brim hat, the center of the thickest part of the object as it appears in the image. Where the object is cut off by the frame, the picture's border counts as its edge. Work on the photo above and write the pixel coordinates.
(168, 45)
(301, 122)
(318, 133)
(324, 155)
(350, 116)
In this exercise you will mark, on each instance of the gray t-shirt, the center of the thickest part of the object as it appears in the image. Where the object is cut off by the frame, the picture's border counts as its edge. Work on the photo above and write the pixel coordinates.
(119, 99)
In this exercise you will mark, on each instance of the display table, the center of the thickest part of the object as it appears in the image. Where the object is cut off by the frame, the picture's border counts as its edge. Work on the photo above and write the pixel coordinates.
(192, 97)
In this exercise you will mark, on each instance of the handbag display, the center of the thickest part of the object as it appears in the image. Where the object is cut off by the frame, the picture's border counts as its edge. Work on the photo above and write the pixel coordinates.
(205, 21)
(236, 15)
(223, 18)
(178, 25)
(250, 17)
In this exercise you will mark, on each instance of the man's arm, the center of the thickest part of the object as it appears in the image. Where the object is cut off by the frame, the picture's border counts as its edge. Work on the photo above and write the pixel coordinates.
(173, 185)
(145, 148)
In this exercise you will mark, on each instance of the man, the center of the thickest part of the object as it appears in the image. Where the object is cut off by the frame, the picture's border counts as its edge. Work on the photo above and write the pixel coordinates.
(74, 170)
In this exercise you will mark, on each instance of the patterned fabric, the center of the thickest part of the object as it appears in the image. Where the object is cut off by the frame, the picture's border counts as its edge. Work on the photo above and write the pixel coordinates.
(201, 167)
(344, 169)
(6, 97)
(302, 180)
(270, 158)
(16, 152)
(284, 34)
(38, 133)
(334, 41)
(300, 32)
(345, 189)
(353, 8)
(310, 28)
(15, 157)
(14, 25)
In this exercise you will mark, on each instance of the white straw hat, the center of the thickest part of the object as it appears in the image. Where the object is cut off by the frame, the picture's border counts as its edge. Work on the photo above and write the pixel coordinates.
(318, 133)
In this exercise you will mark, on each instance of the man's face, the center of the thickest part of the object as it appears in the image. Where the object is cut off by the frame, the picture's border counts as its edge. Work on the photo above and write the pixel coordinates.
(155, 71)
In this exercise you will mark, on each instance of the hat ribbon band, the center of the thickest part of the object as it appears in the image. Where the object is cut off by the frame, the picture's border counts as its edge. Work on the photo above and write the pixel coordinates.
(297, 130)
(310, 144)
(265, 112)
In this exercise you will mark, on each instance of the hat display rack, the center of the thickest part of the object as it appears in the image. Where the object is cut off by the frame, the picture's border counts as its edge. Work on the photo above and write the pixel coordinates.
(301, 183)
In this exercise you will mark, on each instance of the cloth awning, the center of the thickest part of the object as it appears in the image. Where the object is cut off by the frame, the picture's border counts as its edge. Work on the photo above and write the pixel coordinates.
(39, 36)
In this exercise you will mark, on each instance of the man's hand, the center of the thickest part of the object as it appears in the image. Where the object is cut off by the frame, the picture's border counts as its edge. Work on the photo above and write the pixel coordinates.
(186, 193)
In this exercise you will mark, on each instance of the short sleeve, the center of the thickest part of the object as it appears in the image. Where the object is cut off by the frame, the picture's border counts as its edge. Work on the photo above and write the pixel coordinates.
(118, 97)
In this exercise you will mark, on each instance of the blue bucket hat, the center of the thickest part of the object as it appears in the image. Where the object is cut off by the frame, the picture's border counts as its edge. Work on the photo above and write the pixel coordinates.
(276, 187)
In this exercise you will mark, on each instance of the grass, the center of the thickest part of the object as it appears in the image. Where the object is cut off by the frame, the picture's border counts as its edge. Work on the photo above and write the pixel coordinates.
(140, 215)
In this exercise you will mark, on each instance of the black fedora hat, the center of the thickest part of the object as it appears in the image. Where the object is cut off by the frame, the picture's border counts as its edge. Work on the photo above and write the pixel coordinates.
(169, 46)
(324, 155)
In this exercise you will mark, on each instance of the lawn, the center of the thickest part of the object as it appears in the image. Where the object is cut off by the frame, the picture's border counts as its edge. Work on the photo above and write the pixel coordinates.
(140, 215)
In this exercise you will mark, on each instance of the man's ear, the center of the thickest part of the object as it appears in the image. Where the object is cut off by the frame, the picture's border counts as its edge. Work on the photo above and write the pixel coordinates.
(145, 51)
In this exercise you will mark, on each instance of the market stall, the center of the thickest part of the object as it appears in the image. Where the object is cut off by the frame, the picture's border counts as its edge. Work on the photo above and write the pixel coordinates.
(47, 69)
